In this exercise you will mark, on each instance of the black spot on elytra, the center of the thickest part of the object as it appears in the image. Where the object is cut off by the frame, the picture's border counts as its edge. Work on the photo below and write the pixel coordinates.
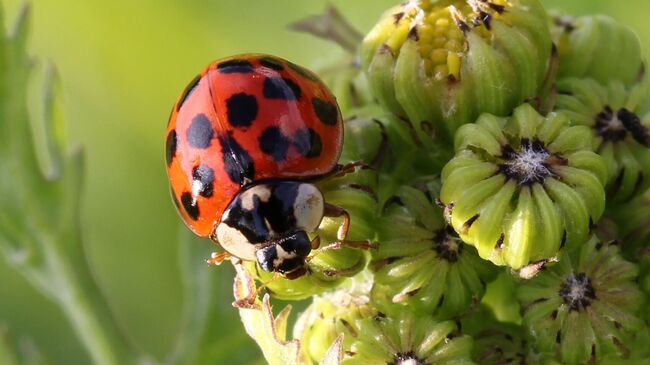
(274, 143)
(242, 109)
(189, 89)
(303, 72)
(281, 88)
(204, 176)
(190, 205)
(272, 63)
(326, 112)
(237, 162)
(171, 144)
(308, 142)
(235, 66)
(200, 133)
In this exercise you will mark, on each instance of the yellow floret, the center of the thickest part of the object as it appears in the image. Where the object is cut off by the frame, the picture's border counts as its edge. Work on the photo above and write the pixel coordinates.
(442, 22)
(453, 64)
(399, 36)
(439, 42)
(440, 71)
(439, 56)
(454, 45)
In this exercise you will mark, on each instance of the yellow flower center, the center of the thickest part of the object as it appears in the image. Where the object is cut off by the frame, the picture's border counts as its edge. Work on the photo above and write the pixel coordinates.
(441, 28)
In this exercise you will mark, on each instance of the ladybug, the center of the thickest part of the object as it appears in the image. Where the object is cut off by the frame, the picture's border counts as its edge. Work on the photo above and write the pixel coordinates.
(246, 141)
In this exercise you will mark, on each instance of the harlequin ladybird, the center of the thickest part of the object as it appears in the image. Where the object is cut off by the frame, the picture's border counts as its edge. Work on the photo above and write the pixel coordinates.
(245, 142)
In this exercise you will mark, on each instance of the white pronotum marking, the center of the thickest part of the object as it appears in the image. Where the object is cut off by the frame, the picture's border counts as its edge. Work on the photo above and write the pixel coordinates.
(233, 241)
(263, 192)
(308, 208)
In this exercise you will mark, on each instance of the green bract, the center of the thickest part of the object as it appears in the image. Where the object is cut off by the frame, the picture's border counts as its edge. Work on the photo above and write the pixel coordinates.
(442, 63)
(519, 188)
(585, 306)
(401, 337)
(621, 134)
(597, 47)
(421, 262)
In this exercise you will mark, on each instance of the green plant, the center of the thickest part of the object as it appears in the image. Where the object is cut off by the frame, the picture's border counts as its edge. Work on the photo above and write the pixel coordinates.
(548, 167)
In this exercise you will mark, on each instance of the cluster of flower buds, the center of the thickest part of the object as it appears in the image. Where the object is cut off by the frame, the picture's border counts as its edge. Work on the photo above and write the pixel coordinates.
(497, 141)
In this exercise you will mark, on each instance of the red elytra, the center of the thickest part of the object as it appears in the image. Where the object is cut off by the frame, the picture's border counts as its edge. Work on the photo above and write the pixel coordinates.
(247, 118)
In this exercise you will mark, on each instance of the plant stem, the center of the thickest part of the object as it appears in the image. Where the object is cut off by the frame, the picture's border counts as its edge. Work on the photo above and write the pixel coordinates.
(81, 300)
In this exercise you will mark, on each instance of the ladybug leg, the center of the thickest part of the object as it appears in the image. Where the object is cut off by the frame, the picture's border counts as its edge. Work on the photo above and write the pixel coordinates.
(335, 211)
(315, 243)
(342, 170)
(348, 168)
(342, 233)
(218, 257)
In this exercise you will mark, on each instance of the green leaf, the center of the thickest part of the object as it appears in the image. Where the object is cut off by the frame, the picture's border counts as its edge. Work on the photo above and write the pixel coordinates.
(40, 187)
(267, 330)
(8, 354)
(207, 311)
(22, 352)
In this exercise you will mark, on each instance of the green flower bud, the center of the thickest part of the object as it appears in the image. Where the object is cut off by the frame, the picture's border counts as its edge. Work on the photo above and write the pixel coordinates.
(632, 223)
(521, 187)
(421, 262)
(597, 47)
(390, 145)
(330, 316)
(496, 342)
(621, 134)
(442, 63)
(585, 306)
(328, 267)
(400, 337)
(366, 138)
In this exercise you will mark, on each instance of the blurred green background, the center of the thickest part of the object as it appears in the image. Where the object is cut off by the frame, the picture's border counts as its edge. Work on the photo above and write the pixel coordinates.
(123, 63)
